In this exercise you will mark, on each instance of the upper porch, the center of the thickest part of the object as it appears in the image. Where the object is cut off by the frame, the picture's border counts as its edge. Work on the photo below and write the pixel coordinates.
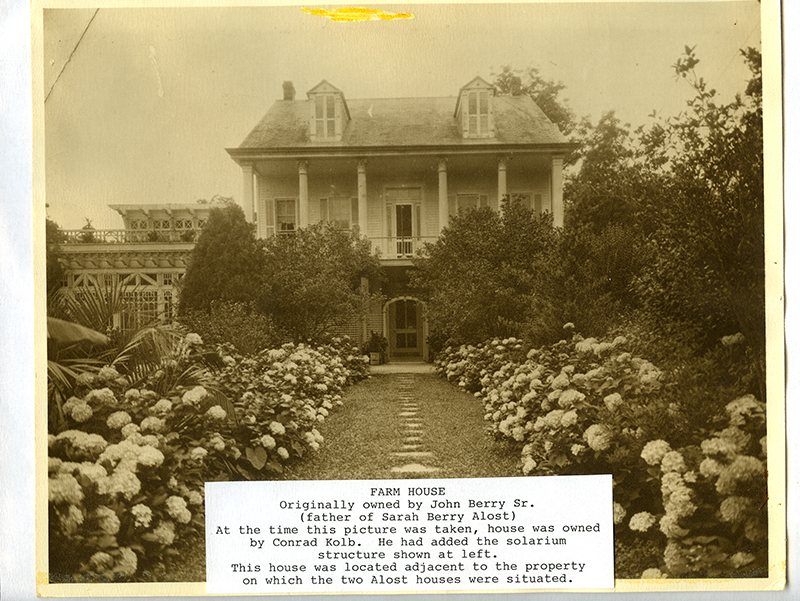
(397, 200)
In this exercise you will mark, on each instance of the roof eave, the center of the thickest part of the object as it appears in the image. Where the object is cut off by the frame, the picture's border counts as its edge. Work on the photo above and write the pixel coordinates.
(248, 155)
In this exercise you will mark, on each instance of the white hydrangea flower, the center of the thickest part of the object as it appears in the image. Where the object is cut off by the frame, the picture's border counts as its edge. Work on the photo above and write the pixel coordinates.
(162, 406)
(569, 419)
(176, 507)
(81, 412)
(64, 488)
(193, 339)
(195, 395)
(152, 424)
(118, 419)
(598, 437)
(642, 521)
(216, 412)
(613, 401)
(129, 430)
(107, 519)
(735, 509)
(569, 397)
(673, 462)
(284, 454)
(528, 466)
(619, 513)
(142, 514)
(127, 562)
(198, 453)
(654, 451)
(165, 532)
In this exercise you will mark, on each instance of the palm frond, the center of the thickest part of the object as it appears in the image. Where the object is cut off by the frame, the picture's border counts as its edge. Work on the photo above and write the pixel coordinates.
(145, 350)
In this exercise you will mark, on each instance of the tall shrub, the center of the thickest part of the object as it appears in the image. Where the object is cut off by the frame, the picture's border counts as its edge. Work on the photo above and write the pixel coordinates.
(312, 280)
(225, 264)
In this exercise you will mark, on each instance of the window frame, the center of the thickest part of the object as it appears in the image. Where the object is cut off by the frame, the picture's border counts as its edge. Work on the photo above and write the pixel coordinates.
(482, 119)
(278, 223)
(326, 122)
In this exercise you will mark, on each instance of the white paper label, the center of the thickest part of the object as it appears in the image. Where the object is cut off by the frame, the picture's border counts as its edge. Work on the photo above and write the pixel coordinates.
(385, 536)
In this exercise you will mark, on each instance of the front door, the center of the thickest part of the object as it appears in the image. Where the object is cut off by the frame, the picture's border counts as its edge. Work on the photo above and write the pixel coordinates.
(406, 339)
(404, 229)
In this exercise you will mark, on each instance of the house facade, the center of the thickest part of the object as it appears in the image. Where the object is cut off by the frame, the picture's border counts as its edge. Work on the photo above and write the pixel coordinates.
(396, 170)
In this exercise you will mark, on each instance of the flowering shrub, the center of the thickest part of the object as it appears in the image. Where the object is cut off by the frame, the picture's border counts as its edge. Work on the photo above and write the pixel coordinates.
(711, 496)
(127, 470)
(588, 406)
(281, 395)
(125, 479)
(467, 365)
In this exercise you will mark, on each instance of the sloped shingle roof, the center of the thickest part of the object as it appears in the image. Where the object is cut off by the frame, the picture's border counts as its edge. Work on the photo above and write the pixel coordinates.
(399, 122)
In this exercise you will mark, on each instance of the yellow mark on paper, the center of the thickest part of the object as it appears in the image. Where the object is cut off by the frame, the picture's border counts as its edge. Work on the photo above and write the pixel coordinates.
(357, 14)
(42, 577)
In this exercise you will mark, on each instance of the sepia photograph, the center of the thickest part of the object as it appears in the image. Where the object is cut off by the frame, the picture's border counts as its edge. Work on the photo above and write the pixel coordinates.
(414, 242)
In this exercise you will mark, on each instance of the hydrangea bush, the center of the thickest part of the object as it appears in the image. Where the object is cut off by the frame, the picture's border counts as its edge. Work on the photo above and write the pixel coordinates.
(125, 479)
(127, 470)
(589, 406)
(281, 396)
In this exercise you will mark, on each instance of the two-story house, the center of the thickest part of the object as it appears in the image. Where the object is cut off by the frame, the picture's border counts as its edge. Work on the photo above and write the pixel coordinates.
(396, 170)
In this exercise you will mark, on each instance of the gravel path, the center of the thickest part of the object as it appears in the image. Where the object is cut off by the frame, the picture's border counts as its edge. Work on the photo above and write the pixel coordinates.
(411, 425)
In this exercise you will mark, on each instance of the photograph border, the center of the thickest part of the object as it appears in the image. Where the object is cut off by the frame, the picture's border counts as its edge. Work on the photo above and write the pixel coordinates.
(774, 248)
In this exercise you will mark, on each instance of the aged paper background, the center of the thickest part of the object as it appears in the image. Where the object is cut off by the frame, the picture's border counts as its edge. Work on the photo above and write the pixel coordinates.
(16, 344)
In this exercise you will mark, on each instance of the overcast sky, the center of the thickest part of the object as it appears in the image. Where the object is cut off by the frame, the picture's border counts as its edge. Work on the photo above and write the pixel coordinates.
(150, 99)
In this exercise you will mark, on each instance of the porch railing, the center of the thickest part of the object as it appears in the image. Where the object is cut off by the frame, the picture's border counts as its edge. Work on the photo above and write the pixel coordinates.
(129, 236)
(400, 247)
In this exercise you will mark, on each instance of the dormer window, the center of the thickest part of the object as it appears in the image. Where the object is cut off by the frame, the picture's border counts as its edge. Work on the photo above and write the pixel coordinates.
(478, 113)
(329, 113)
(325, 116)
(474, 109)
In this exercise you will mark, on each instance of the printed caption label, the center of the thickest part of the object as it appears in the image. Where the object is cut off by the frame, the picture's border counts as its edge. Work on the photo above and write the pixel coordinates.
(409, 535)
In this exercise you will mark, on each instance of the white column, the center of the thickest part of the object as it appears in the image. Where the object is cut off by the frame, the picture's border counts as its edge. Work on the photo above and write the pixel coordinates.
(248, 197)
(444, 213)
(556, 191)
(362, 197)
(502, 187)
(302, 170)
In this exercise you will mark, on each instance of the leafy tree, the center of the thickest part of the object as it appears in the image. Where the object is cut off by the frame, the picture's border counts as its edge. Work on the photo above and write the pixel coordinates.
(312, 280)
(544, 92)
(611, 183)
(225, 264)
(709, 239)
(217, 199)
(53, 236)
(239, 324)
(479, 276)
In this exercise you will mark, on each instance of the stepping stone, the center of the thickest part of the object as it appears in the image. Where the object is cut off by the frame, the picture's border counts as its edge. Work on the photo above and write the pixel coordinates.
(407, 414)
(412, 447)
(412, 439)
(413, 454)
(414, 468)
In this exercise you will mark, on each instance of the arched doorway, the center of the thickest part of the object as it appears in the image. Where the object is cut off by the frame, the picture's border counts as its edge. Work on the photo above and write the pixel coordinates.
(404, 324)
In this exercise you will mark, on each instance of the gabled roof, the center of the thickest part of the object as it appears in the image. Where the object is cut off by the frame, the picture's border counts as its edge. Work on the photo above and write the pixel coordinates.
(404, 122)
(324, 87)
(479, 83)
